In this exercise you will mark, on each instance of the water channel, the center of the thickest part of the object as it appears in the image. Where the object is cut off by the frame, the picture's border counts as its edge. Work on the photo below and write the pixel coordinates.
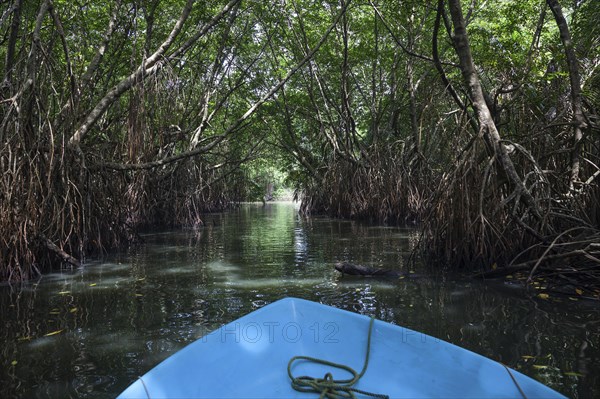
(89, 333)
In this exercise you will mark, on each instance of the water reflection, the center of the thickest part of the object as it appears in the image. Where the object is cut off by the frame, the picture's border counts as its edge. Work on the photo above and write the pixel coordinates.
(91, 332)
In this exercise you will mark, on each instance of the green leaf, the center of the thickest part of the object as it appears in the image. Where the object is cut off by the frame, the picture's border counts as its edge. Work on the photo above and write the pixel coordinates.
(53, 333)
(573, 374)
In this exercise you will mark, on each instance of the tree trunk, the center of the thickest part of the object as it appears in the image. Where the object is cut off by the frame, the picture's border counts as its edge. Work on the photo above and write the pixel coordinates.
(12, 40)
(579, 123)
(486, 123)
(412, 106)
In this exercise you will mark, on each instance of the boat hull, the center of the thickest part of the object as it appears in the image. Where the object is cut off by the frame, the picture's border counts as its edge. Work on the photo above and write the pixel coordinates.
(248, 358)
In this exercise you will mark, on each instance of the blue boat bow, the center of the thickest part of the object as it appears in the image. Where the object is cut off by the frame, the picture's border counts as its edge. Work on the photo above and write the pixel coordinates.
(248, 358)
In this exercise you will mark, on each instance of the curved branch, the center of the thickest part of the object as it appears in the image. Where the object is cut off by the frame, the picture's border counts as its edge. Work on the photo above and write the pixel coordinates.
(147, 67)
(93, 66)
(402, 46)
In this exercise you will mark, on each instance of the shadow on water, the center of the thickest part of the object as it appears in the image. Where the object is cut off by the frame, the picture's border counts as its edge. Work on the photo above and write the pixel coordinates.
(91, 332)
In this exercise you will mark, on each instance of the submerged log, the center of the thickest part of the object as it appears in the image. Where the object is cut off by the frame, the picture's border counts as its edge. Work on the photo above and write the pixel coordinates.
(361, 270)
(60, 252)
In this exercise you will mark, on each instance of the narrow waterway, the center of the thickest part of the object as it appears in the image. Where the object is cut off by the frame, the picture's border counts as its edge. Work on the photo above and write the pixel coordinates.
(89, 333)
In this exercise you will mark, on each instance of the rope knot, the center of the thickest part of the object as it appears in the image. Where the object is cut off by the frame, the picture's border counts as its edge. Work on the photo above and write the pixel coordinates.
(328, 387)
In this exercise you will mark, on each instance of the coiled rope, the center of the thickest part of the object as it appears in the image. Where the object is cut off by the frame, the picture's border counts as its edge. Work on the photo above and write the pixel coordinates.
(329, 388)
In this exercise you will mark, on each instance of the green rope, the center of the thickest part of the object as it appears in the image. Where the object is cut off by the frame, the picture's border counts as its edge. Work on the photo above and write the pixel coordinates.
(515, 381)
(329, 388)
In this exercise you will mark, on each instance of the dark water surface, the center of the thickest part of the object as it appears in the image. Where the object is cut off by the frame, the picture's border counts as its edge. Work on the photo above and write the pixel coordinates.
(89, 333)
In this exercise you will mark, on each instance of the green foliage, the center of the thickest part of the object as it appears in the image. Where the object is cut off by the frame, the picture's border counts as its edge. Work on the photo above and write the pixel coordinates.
(186, 136)
(503, 36)
(586, 35)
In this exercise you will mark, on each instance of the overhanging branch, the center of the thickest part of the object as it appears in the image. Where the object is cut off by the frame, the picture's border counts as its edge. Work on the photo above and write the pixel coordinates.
(232, 128)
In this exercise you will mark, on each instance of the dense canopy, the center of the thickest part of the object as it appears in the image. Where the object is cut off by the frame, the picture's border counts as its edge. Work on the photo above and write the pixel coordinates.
(476, 120)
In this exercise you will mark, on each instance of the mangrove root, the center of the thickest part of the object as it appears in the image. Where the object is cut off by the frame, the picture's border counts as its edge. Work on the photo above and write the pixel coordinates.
(60, 252)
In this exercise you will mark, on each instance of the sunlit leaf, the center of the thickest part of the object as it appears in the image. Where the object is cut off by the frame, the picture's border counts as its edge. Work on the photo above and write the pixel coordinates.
(27, 338)
(139, 294)
(73, 310)
(543, 295)
(14, 363)
(93, 285)
(579, 291)
(64, 292)
(539, 367)
(53, 333)
(494, 266)
(573, 374)
(528, 357)
(573, 299)
(54, 312)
